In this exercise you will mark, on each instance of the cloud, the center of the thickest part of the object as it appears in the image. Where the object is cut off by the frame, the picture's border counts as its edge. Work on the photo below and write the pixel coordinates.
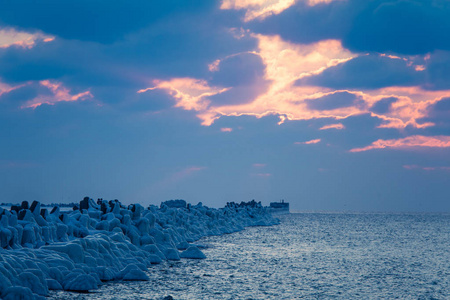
(408, 27)
(415, 167)
(10, 37)
(258, 165)
(257, 8)
(415, 141)
(189, 93)
(242, 74)
(261, 9)
(308, 142)
(404, 27)
(263, 175)
(92, 20)
(59, 93)
(285, 63)
(178, 176)
(368, 72)
(338, 126)
(383, 105)
(226, 129)
(6, 88)
(334, 101)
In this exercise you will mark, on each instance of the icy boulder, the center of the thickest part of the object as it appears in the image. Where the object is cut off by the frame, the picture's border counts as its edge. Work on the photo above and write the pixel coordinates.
(175, 203)
(193, 252)
(133, 273)
(77, 250)
(79, 282)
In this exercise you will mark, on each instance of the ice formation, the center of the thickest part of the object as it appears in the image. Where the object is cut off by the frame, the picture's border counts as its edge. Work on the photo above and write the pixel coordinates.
(105, 240)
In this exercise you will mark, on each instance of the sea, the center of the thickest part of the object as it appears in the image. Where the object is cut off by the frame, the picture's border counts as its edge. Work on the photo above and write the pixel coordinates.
(308, 256)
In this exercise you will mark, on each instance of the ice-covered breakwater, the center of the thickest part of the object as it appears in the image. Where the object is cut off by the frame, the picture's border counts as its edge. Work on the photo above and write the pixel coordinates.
(105, 240)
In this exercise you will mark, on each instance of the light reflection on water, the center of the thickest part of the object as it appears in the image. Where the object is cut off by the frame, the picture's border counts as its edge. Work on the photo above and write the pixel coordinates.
(308, 256)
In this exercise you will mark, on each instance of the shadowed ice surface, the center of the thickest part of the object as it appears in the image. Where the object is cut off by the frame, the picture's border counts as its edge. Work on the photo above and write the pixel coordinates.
(308, 256)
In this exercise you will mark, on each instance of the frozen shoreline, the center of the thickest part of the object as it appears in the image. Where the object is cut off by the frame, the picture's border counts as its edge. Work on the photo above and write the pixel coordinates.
(106, 241)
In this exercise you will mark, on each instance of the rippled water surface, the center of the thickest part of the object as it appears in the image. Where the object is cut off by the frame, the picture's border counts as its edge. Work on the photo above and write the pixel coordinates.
(308, 256)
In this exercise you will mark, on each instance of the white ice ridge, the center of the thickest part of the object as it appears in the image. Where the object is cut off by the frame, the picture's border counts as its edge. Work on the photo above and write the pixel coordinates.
(103, 241)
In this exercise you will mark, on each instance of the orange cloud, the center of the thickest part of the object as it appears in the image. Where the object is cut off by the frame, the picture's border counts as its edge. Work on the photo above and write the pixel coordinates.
(60, 94)
(287, 62)
(189, 93)
(10, 37)
(260, 9)
(338, 126)
(226, 129)
(414, 141)
(308, 142)
(257, 8)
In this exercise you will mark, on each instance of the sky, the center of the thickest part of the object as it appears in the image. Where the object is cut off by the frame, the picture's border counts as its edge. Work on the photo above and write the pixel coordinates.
(331, 105)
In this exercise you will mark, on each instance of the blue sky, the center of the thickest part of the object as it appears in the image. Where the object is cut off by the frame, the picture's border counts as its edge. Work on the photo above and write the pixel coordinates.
(328, 104)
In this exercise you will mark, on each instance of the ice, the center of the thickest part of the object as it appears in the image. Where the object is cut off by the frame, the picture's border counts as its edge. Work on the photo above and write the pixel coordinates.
(79, 282)
(19, 293)
(192, 252)
(34, 283)
(77, 250)
(132, 272)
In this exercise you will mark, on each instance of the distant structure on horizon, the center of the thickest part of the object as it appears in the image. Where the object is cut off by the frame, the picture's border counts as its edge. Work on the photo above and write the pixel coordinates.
(279, 207)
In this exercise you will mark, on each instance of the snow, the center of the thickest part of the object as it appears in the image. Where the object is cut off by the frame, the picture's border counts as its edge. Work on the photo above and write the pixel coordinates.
(192, 252)
(77, 250)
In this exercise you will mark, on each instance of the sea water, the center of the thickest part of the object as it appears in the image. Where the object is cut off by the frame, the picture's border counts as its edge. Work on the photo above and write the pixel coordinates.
(308, 256)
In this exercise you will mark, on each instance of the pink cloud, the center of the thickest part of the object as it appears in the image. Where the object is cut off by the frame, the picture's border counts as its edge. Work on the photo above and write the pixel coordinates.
(60, 94)
(257, 8)
(414, 141)
(410, 167)
(413, 167)
(178, 176)
(186, 172)
(308, 142)
(285, 63)
(259, 165)
(226, 129)
(189, 94)
(338, 126)
(10, 37)
(6, 88)
(260, 9)
(264, 175)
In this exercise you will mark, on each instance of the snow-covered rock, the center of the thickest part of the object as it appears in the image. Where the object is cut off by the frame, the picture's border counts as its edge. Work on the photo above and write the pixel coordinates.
(192, 252)
(77, 250)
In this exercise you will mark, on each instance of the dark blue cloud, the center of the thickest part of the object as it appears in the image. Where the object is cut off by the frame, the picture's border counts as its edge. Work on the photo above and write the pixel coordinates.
(384, 105)
(304, 24)
(93, 20)
(397, 26)
(333, 101)
(181, 47)
(242, 69)
(437, 69)
(402, 26)
(244, 75)
(439, 114)
(367, 72)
